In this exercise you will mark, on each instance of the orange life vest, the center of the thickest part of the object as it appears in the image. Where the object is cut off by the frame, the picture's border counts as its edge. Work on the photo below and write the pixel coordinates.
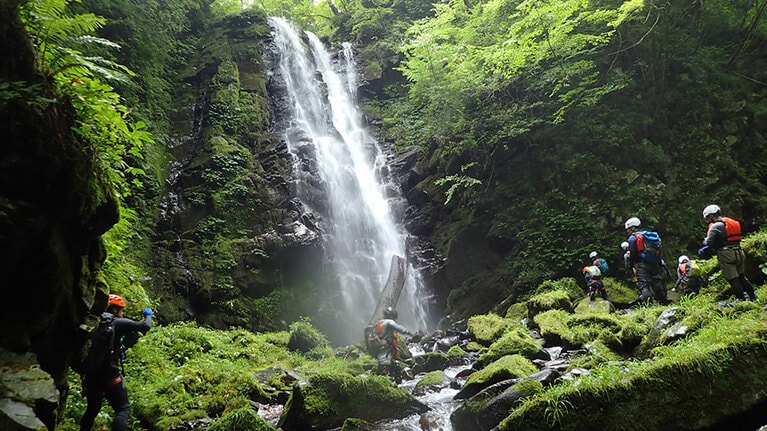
(731, 229)
(379, 331)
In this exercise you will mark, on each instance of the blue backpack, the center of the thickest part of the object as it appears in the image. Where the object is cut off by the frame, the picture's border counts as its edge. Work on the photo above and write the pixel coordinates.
(602, 265)
(649, 247)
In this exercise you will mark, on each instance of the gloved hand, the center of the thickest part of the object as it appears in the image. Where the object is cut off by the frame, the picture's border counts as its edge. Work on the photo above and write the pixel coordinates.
(147, 312)
(704, 251)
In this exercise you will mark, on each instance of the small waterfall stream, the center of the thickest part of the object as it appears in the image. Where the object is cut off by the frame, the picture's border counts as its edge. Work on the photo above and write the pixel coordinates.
(340, 172)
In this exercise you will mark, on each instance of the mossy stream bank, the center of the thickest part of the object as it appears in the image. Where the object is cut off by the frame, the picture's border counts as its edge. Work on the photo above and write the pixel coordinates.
(547, 363)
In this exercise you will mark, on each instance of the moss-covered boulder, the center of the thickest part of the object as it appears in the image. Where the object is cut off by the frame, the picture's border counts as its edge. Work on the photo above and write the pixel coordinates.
(515, 341)
(431, 382)
(327, 400)
(486, 328)
(575, 330)
(596, 305)
(487, 408)
(555, 300)
(431, 361)
(505, 368)
(306, 338)
(726, 358)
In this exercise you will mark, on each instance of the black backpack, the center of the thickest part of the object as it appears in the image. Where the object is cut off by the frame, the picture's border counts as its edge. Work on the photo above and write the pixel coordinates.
(98, 348)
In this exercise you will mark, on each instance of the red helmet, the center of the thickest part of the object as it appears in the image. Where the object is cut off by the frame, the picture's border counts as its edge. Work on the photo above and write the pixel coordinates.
(115, 300)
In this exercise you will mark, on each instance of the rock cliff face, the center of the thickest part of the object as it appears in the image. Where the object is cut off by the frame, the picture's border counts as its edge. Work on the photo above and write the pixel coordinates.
(229, 238)
(53, 209)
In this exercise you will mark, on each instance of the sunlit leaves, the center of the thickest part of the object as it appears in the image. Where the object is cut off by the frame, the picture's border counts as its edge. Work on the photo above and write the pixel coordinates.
(61, 39)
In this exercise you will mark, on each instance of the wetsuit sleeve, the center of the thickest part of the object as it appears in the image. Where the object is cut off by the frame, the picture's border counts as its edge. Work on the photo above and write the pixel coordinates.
(716, 235)
(399, 328)
(124, 326)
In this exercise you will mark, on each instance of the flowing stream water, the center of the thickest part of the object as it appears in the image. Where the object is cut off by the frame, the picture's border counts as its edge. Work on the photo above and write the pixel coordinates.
(340, 172)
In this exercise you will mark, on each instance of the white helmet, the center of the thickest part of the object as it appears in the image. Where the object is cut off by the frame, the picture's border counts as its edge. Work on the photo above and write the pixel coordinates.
(683, 258)
(632, 222)
(592, 255)
(625, 245)
(711, 210)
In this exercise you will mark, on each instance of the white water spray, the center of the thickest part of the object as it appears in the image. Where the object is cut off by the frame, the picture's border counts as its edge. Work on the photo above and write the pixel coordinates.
(340, 172)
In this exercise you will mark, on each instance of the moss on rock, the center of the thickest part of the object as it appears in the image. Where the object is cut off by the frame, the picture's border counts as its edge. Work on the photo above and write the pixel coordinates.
(487, 328)
(515, 341)
(327, 399)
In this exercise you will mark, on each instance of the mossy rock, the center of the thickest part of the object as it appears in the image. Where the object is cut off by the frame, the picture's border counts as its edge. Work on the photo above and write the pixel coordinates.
(553, 327)
(431, 361)
(431, 382)
(620, 294)
(517, 312)
(473, 346)
(241, 420)
(304, 337)
(568, 285)
(433, 378)
(516, 341)
(597, 305)
(486, 328)
(597, 353)
(575, 330)
(556, 300)
(505, 368)
(455, 353)
(327, 400)
(673, 391)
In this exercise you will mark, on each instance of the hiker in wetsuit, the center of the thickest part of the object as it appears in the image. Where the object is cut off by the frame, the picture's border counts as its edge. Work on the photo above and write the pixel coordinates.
(690, 282)
(387, 330)
(647, 265)
(594, 285)
(723, 237)
(108, 382)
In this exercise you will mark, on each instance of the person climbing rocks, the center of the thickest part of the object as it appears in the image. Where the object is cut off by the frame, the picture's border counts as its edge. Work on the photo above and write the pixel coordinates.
(688, 276)
(645, 258)
(599, 262)
(723, 238)
(107, 381)
(386, 331)
(594, 285)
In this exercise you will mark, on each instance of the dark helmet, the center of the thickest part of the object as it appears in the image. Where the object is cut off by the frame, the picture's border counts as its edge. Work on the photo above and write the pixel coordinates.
(390, 313)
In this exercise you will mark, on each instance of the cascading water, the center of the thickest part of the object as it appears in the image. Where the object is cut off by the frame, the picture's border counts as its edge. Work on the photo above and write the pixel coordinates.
(341, 173)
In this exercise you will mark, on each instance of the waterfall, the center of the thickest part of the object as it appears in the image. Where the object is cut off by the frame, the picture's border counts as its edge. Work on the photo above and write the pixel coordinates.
(340, 172)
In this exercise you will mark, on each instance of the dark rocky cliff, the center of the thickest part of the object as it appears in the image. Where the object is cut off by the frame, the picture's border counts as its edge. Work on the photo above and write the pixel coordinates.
(53, 209)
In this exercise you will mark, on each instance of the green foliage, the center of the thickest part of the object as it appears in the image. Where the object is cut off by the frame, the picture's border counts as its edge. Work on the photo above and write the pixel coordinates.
(457, 182)
(61, 39)
(244, 419)
(182, 372)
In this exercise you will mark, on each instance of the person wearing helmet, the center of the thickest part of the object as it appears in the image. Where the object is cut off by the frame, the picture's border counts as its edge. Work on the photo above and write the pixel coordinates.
(601, 263)
(594, 285)
(387, 330)
(648, 272)
(687, 278)
(630, 271)
(723, 238)
(109, 383)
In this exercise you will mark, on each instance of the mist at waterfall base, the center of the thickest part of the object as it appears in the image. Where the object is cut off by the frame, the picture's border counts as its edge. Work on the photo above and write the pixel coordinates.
(340, 174)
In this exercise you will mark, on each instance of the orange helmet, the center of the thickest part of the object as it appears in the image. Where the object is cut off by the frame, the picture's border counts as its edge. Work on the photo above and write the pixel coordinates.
(115, 300)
